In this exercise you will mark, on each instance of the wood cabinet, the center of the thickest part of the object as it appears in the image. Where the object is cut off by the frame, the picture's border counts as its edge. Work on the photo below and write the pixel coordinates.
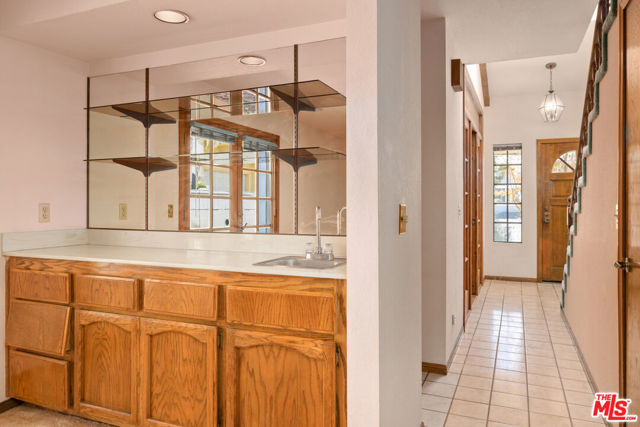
(178, 377)
(106, 366)
(274, 380)
(152, 346)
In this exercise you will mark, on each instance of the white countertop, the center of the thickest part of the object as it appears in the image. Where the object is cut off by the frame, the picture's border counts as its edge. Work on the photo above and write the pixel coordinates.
(241, 262)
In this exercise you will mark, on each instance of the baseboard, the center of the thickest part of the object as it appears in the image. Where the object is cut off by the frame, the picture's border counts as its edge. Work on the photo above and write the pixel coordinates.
(585, 367)
(435, 368)
(8, 404)
(512, 279)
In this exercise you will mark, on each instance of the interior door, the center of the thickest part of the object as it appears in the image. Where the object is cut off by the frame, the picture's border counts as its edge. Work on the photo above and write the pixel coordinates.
(629, 203)
(556, 167)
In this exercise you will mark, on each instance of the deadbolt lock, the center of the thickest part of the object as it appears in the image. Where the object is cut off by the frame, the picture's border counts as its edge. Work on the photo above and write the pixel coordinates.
(625, 265)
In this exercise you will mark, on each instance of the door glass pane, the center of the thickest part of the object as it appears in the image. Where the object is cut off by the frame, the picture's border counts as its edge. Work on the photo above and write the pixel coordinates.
(199, 213)
(500, 157)
(264, 185)
(221, 180)
(514, 174)
(249, 183)
(500, 232)
(515, 194)
(515, 233)
(500, 194)
(200, 179)
(500, 174)
(515, 213)
(500, 213)
(220, 213)
(248, 212)
(264, 212)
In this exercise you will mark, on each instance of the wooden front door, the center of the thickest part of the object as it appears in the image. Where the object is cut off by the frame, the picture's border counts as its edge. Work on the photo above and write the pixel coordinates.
(556, 166)
(629, 204)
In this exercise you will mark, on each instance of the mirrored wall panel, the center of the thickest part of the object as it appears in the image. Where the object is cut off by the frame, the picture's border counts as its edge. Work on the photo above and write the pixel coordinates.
(221, 146)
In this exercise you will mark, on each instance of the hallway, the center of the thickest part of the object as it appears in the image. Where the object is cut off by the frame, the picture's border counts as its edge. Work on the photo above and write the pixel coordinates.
(516, 365)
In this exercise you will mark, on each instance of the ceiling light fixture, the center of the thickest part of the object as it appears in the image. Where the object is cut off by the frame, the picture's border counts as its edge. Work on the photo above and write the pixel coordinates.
(551, 107)
(252, 60)
(171, 16)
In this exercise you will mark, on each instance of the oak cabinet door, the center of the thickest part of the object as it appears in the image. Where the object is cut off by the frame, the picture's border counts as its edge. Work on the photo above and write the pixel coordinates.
(106, 366)
(273, 380)
(178, 378)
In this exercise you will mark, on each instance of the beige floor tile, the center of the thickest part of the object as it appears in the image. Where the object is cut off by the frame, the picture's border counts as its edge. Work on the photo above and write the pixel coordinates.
(456, 368)
(477, 371)
(579, 398)
(510, 416)
(540, 360)
(513, 376)
(510, 387)
(444, 379)
(475, 382)
(438, 389)
(544, 381)
(480, 361)
(550, 407)
(550, 371)
(583, 423)
(509, 400)
(548, 393)
(573, 374)
(469, 409)
(576, 385)
(546, 420)
(435, 403)
(580, 412)
(512, 357)
(458, 421)
(433, 419)
(473, 394)
(510, 348)
(511, 366)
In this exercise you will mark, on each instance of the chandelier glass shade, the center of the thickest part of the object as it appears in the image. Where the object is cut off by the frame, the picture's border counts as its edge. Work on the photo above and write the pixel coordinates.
(551, 107)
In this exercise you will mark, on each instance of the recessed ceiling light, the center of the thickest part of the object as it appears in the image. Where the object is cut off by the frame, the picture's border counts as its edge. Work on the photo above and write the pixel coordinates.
(171, 16)
(252, 60)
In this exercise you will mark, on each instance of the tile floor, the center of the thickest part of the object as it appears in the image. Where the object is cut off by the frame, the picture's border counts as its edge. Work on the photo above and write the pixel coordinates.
(516, 365)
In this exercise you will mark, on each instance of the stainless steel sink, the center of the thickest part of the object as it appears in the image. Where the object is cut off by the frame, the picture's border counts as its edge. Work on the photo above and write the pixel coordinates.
(302, 262)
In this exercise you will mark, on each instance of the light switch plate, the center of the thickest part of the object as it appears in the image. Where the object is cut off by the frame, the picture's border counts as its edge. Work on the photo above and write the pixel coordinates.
(403, 219)
(44, 212)
(122, 211)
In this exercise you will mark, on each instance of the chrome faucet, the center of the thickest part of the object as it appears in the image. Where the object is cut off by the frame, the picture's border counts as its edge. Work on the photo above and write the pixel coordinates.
(340, 212)
(317, 252)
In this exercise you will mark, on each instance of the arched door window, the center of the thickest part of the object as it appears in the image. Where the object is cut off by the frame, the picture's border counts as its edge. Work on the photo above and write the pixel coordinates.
(566, 163)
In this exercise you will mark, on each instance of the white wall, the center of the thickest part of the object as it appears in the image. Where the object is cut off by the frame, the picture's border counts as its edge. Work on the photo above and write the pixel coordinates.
(383, 170)
(42, 144)
(516, 120)
(441, 196)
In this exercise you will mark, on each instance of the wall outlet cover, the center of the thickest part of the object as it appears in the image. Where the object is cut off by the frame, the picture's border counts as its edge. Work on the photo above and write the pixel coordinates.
(44, 212)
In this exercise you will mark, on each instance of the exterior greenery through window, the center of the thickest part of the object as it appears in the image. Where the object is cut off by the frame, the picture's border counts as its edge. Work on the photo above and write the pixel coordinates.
(507, 193)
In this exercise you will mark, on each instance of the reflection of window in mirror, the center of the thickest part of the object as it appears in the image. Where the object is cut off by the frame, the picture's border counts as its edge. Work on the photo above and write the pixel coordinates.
(229, 181)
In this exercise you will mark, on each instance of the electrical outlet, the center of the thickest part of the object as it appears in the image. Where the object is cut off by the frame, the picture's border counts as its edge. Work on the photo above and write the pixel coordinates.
(122, 211)
(170, 211)
(44, 212)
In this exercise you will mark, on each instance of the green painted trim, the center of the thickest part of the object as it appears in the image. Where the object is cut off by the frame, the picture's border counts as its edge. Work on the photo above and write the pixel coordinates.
(588, 149)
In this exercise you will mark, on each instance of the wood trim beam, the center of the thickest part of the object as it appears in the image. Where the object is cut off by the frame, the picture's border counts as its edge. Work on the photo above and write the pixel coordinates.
(435, 368)
(485, 85)
(512, 279)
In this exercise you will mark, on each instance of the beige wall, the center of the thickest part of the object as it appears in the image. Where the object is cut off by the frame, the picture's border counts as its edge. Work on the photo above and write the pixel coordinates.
(591, 300)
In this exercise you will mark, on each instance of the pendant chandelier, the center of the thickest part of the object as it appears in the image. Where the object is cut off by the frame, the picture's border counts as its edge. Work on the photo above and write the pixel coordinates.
(551, 107)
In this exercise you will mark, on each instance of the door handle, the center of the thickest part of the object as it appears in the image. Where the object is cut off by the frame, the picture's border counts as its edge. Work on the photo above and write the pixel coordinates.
(625, 265)
(547, 217)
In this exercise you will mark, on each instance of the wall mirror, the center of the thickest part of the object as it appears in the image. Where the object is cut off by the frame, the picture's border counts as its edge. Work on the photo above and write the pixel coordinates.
(221, 146)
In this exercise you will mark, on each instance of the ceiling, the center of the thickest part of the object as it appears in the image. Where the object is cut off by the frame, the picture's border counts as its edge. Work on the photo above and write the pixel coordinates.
(499, 30)
(508, 78)
(95, 30)
(91, 30)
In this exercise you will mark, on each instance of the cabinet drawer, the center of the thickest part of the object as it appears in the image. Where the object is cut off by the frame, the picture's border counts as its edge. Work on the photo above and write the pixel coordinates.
(299, 310)
(106, 291)
(180, 299)
(39, 285)
(39, 380)
(38, 327)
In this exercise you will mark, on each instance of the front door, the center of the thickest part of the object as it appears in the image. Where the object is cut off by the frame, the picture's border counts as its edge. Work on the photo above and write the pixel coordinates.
(556, 166)
(629, 203)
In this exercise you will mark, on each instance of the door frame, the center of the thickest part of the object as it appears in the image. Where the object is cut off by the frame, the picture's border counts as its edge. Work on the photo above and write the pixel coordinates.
(540, 213)
(621, 207)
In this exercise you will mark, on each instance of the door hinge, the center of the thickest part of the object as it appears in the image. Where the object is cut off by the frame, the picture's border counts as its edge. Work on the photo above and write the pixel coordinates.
(219, 340)
(338, 354)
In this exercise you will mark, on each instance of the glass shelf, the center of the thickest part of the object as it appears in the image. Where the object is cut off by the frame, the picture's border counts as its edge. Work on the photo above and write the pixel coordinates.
(296, 157)
(311, 95)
